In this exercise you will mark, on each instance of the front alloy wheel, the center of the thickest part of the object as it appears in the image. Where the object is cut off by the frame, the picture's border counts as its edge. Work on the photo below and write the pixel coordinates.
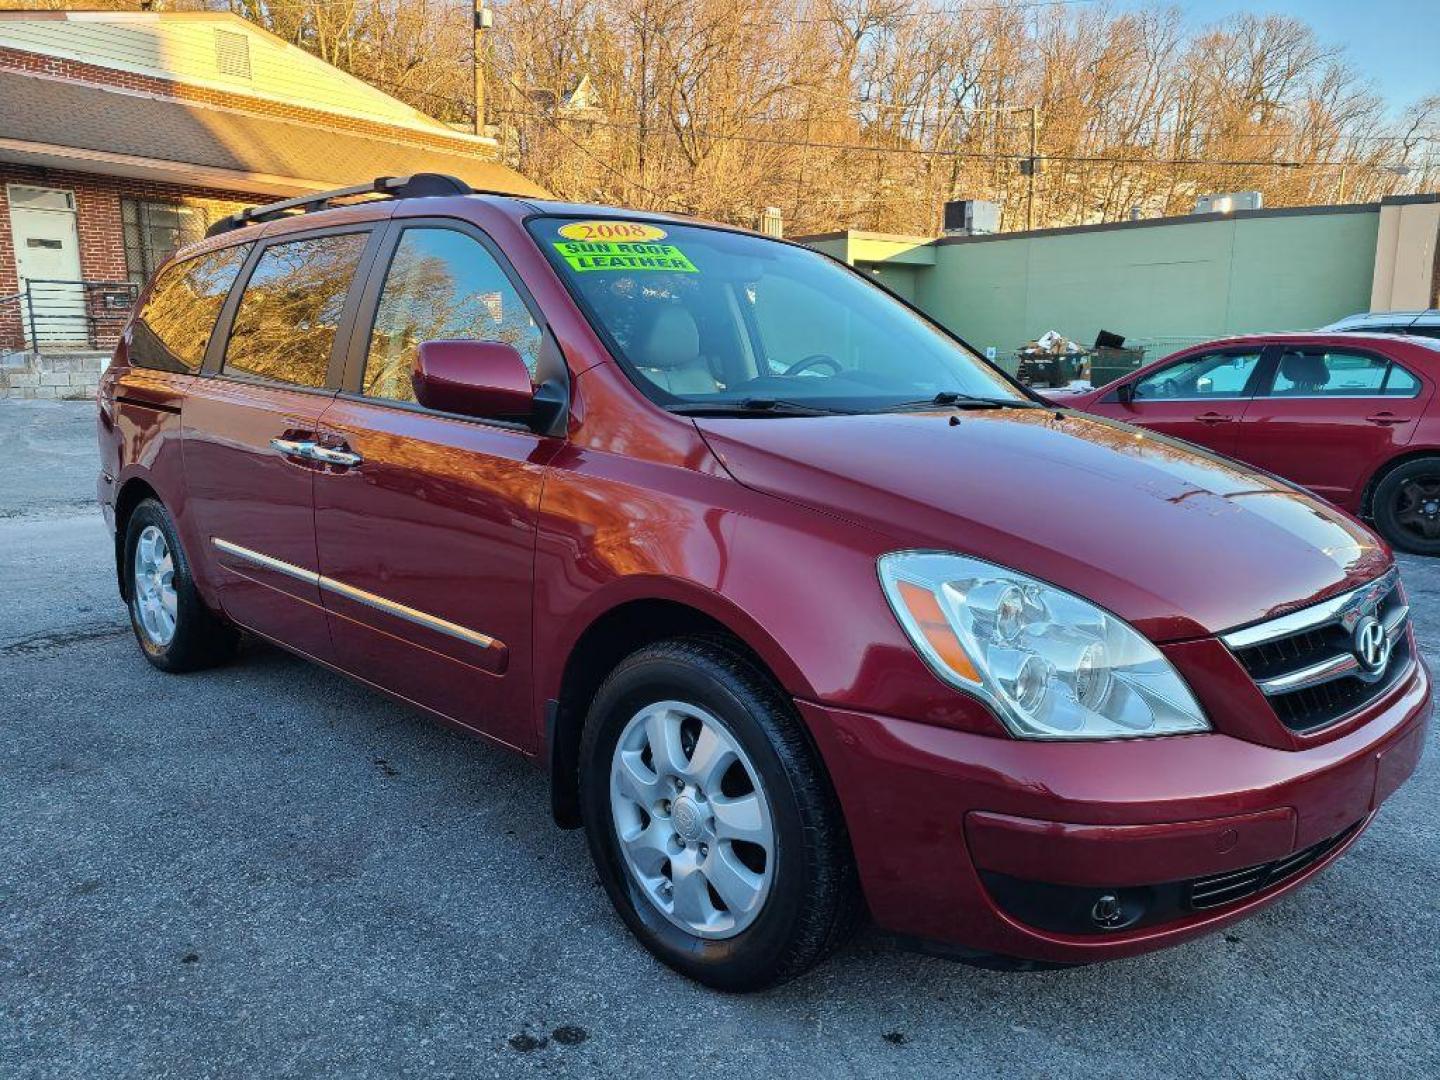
(712, 822)
(692, 819)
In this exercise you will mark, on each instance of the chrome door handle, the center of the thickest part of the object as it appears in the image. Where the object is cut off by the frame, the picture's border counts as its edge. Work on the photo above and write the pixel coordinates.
(292, 447)
(329, 455)
(1214, 418)
(1385, 419)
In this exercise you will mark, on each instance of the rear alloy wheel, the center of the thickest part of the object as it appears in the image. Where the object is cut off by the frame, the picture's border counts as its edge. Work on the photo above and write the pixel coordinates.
(174, 628)
(154, 584)
(712, 823)
(1407, 507)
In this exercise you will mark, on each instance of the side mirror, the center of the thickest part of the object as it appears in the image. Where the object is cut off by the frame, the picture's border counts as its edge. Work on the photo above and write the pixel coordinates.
(1125, 392)
(473, 378)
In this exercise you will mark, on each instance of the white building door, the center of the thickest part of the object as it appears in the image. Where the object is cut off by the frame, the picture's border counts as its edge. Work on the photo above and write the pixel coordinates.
(47, 256)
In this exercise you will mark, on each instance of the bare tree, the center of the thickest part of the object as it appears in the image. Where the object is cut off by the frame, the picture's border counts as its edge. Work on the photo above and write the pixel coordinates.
(872, 113)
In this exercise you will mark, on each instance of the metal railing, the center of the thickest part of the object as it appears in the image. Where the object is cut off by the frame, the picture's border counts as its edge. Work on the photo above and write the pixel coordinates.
(54, 315)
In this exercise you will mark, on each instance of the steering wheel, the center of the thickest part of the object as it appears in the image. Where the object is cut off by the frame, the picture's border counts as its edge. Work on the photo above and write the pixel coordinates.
(814, 360)
(1168, 388)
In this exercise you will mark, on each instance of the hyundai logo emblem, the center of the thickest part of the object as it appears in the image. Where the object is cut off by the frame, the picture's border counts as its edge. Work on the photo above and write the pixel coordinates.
(1372, 644)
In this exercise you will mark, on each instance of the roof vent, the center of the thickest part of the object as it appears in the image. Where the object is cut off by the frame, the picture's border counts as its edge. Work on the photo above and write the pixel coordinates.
(232, 54)
(1229, 202)
(971, 217)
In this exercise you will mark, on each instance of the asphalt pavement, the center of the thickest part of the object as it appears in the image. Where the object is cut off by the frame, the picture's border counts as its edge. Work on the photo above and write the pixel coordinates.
(268, 871)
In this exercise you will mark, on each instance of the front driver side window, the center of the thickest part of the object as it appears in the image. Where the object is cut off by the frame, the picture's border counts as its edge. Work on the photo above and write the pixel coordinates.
(1209, 375)
(442, 284)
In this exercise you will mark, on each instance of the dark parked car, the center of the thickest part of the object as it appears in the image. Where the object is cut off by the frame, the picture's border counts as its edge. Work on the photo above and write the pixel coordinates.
(807, 611)
(1352, 417)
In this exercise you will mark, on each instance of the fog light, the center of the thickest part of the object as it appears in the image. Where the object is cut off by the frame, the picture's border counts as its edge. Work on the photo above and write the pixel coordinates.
(1107, 911)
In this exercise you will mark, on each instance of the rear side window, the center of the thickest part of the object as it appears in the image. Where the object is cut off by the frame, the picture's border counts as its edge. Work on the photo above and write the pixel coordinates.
(442, 284)
(173, 327)
(285, 324)
(1400, 383)
(1340, 373)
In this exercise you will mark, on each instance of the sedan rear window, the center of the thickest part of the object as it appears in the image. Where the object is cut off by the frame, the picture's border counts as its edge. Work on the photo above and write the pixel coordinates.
(1340, 373)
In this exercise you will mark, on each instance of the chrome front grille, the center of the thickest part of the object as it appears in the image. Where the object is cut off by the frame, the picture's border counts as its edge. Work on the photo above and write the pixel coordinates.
(1309, 664)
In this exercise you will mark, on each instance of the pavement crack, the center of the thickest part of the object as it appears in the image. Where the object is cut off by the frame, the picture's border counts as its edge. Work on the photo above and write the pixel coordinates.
(51, 641)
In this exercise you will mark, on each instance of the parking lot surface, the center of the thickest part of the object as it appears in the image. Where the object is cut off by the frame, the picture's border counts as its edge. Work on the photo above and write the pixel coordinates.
(267, 870)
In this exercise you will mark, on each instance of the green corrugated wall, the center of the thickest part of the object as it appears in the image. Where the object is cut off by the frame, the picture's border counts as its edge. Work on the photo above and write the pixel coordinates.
(1165, 284)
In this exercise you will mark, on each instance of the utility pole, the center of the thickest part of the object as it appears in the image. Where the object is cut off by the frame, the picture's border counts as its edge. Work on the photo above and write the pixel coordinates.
(484, 19)
(1034, 168)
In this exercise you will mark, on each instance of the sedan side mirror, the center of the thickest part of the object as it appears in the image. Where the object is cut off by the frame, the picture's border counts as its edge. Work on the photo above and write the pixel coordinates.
(473, 378)
(1125, 392)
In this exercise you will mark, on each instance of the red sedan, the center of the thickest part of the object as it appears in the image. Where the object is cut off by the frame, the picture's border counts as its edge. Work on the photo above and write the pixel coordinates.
(1352, 417)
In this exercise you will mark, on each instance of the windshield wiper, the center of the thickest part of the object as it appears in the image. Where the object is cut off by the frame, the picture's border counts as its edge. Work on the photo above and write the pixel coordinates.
(956, 400)
(757, 406)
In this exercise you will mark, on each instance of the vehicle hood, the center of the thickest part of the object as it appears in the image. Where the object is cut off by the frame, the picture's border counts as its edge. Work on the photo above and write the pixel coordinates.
(1179, 542)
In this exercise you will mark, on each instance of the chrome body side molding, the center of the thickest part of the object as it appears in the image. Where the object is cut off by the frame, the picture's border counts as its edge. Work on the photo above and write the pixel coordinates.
(360, 596)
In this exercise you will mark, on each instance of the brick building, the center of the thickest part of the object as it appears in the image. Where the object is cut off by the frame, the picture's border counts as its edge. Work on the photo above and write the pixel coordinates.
(123, 135)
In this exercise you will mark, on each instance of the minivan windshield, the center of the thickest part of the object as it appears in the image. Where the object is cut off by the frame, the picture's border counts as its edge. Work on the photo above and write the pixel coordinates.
(709, 320)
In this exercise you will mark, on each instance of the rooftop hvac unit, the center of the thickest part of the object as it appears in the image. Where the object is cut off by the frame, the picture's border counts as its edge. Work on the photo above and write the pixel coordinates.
(971, 217)
(1229, 202)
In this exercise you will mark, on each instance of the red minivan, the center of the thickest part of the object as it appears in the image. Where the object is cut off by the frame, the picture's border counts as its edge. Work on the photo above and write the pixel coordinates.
(1353, 417)
(809, 613)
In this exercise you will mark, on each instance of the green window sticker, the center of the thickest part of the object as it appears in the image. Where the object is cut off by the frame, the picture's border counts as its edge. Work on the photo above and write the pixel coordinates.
(582, 256)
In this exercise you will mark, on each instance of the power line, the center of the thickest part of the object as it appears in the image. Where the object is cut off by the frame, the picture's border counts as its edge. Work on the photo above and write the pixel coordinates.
(923, 123)
(931, 125)
(555, 124)
(922, 13)
(1094, 159)
(926, 124)
(1099, 159)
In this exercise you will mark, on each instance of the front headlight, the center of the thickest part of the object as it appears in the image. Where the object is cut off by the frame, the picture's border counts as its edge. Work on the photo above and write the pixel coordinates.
(1052, 665)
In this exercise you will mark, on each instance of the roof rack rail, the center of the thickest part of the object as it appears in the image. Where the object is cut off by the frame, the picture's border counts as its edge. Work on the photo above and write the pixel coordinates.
(416, 186)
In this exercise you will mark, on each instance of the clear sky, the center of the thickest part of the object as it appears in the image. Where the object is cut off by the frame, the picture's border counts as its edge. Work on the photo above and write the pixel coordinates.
(1394, 42)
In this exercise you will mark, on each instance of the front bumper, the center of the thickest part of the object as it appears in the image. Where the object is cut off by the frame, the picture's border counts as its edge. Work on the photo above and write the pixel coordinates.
(944, 823)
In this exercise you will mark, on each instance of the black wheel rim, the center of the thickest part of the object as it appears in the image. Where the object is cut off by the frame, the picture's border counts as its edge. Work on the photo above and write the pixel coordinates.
(1417, 507)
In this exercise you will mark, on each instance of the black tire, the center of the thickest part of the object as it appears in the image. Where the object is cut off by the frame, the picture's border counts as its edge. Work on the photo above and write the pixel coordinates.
(201, 638)
(813, 901)
(1400, 504)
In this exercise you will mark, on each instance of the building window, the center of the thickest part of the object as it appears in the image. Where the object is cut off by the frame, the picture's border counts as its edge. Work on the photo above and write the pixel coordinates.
(153, 232)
